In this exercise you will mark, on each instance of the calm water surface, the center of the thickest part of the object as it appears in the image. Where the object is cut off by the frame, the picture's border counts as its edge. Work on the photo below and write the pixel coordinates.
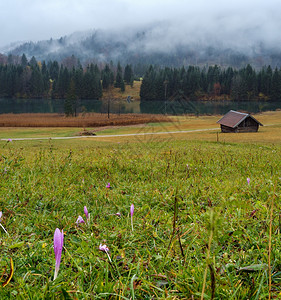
(156, 107)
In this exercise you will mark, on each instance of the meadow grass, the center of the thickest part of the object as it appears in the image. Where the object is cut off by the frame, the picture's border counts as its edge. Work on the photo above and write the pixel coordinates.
(115, 93)
(200, 230)
(270, 133)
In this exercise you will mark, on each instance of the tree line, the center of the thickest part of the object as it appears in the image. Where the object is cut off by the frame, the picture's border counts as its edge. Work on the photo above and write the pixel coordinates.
(31, 79)
(20, 78)
(211, 83)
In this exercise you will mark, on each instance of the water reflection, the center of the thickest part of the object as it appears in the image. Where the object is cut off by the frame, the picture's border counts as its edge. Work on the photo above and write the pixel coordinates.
(151, 107)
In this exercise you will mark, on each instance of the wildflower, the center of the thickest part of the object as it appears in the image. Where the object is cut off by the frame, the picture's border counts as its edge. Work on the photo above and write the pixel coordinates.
(58, 244)
(108, 186)
(118, 214)
(248, 180)
(1, 224)
(105, 249)
(86, 212)
(9, 140)
(79, 220)
(132, 212)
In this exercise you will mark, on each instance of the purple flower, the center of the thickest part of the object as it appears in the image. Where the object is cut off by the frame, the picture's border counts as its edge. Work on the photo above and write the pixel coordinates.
(132, 212)
(248, 180)
(108, 186)
(0, 215)
(9, 140)
(58, 244)
(79, 220)
(86, 212)
(103, 248)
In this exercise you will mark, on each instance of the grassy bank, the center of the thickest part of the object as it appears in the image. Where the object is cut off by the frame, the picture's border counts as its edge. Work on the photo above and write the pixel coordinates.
(198, 224)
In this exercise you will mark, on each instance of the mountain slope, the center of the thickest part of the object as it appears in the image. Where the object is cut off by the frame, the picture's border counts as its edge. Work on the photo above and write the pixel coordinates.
(149, 45)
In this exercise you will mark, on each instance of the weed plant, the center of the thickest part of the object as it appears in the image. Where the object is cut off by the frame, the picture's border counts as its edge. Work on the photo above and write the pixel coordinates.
(200, 229)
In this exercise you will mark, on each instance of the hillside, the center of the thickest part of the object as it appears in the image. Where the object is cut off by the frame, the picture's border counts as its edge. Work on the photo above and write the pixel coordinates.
(147, 45)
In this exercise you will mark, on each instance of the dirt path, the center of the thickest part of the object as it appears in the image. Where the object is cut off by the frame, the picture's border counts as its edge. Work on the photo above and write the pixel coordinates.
(110, 136)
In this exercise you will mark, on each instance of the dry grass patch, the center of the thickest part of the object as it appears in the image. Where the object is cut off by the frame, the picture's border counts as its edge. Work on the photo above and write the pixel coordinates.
(87, 120)
(116, 93)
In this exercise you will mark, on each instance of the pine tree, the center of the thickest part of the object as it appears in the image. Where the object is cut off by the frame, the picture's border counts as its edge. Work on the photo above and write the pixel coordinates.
(275, 92)
(70, 103)
(107, 77)
(128, 74)
(119, 77)
(24, 61)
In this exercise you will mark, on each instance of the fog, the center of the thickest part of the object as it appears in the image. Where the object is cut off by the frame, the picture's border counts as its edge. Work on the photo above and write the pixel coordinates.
(238, 24)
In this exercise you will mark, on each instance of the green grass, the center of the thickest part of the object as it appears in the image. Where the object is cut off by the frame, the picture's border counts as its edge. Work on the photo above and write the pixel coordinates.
(45, 185)
(15, 132)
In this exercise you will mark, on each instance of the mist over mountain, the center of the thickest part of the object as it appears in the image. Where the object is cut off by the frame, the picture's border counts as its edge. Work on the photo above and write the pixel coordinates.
(160, 44)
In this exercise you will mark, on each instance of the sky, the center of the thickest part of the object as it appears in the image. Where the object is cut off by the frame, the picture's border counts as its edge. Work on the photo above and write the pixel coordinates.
(231, 22)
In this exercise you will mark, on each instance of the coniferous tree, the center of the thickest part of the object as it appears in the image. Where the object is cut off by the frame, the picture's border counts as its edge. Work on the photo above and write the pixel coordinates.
(70, 103)
(107, 77)
(128, 75)
(33, 62)
(36, 83)
(119, 77)
(275, 92)
(24, 61)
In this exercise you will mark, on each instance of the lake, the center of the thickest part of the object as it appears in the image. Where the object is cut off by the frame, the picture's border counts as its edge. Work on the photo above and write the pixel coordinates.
(156, 107)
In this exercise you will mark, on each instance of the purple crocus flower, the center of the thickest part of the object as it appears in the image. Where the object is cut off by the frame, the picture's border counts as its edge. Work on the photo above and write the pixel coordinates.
(86, 212)
(58, 244)
(79, 220)
(105, 249)
(108, 186)
(248, 180)
(132, 213)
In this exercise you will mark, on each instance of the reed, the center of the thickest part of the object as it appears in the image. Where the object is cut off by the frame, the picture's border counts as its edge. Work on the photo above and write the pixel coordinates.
(86, 120)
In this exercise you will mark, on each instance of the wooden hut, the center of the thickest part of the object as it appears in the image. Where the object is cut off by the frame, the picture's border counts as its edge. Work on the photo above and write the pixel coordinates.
(235, 121)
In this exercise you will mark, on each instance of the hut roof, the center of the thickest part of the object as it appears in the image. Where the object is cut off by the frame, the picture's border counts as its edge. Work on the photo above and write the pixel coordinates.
(234, 118)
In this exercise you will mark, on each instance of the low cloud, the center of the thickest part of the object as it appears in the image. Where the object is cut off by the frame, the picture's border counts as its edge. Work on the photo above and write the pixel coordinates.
(237, 24)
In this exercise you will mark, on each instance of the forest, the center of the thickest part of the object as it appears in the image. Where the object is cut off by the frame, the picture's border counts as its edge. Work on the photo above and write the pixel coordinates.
(212, 82)
(23, 78)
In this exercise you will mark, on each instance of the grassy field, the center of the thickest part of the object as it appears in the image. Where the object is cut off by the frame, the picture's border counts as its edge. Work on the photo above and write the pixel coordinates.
(200, 228)
(116, 93)
(270, 133)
